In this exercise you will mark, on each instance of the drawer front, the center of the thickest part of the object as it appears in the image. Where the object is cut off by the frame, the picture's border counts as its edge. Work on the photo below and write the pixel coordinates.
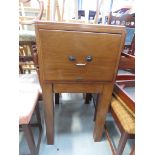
(83, 56)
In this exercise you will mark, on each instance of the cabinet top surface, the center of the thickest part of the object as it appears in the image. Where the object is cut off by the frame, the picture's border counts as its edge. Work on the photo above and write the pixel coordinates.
(79, 27)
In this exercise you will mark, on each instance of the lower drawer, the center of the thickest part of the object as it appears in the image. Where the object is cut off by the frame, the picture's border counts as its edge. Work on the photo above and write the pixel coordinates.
(78, 88)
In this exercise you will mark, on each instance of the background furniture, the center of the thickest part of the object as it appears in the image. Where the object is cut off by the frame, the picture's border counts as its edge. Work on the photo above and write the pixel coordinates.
(81, 13)
(86, 61)
(28, 61)
(125, 19)
(27, 17)
(130, 41)
(123, 112)
(128, 20)
(28, 97)
(126, 67)
(123, 104)
(26, 56)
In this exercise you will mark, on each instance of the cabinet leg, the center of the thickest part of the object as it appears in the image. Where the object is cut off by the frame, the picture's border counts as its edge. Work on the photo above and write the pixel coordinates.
(88, 98)
(101, 111)
(56, 98)
(48, 111)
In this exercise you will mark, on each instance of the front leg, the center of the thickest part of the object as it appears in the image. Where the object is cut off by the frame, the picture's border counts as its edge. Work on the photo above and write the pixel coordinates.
(48, 111)
(101, 111)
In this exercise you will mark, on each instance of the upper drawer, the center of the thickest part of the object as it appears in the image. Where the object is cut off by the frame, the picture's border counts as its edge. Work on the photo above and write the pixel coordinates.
(57, 46)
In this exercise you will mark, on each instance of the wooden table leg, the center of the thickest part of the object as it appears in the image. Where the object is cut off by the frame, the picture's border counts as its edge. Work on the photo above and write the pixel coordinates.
(30, 139)
(48, 111)
(102, 109)
(56, 98)
(88, 98)
(132, 150)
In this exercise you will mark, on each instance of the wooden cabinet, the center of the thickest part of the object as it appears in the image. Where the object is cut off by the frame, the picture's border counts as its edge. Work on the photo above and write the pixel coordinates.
(79, 58)
(59, 46)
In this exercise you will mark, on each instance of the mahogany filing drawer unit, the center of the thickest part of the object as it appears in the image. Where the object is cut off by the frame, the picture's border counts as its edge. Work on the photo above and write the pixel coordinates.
(78, 58)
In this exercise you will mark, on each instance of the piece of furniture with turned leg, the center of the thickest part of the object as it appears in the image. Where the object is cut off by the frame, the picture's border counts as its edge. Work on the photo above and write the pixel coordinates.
(78, 58)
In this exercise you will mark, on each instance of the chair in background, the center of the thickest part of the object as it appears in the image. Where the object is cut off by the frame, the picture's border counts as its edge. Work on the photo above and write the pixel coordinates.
(26, 53)
(28, 60)
(123, 105)
(28, 14)
(29, 88)
(91, 15)
(126, 69)
(128, 20)
(123, 111)
(129, 46)
(27, 17)
(28, 97)
(81, 13)
(122, 10)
